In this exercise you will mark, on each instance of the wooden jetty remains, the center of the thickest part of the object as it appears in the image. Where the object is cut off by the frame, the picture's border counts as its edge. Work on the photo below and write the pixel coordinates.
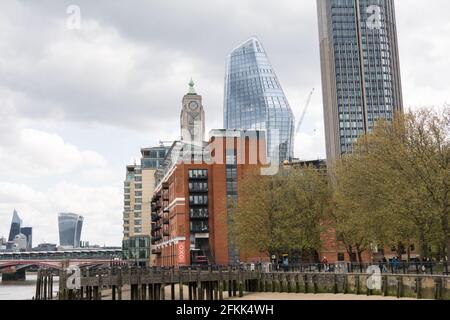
(219, 283)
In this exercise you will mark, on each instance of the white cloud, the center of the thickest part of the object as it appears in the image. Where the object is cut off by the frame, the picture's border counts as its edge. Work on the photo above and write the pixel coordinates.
(100, 206)
(35, 153)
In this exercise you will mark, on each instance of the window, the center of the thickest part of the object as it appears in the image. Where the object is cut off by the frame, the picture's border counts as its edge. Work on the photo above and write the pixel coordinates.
(196, 174)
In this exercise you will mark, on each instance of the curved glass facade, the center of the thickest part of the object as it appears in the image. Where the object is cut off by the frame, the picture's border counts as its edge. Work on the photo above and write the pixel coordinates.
(254, 99)
(70, 226)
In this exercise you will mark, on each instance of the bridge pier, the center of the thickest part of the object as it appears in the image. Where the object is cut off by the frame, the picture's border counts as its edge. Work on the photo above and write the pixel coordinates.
(19, 275)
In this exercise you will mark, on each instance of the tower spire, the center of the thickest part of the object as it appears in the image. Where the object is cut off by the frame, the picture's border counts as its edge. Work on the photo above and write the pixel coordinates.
(191, 88)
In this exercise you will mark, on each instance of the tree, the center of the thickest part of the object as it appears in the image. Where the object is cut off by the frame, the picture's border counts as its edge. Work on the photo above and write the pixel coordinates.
(281, 213)
(394, 186)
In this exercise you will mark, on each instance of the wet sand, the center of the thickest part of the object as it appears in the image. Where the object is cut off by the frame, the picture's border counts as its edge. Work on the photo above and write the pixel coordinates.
(106, 295)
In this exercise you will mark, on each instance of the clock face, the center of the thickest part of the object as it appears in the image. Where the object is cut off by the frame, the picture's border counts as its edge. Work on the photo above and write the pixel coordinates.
(193, 105)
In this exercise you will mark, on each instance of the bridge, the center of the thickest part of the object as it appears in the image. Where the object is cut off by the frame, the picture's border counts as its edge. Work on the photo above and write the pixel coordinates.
(14, 264)
(62, 255)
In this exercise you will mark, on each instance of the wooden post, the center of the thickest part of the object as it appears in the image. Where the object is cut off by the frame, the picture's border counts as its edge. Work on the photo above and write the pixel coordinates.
(438, 288)
(358, 284)
(335, 287)
(195, 291)
(144, 291)
(51, 287)
(220, 288)
(44, 286)
(162, 292)
(419, 287)
(119, 284)
(199, 291)
(150, 292)
(216, 289)
(100, 286)
(181, 288)
(384, 285)
(305, 279)
(220, 285)
(241, 284)
(399, 286)
(36, 296)
(190, 295)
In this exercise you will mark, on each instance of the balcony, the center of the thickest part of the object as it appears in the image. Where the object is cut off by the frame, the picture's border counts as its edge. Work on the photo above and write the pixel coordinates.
(156, 251)
(156, 227)
(156, 238)
(199, 216)
(166, 233)
(199, 227)
(166, 221)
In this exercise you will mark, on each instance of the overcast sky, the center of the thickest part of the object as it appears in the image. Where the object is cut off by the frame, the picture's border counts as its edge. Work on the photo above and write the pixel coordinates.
(76, 106)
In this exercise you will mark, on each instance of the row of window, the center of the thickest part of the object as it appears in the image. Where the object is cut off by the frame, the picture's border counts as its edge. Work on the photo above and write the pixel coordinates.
(198, 186)
(199, 212)
(199, 173)
(198, 199)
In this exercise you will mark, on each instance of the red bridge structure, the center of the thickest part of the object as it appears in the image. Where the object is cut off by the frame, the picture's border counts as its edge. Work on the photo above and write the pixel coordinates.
(14, 264)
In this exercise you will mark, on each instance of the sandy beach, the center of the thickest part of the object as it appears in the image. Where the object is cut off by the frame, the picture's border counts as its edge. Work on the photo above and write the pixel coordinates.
(106, 295)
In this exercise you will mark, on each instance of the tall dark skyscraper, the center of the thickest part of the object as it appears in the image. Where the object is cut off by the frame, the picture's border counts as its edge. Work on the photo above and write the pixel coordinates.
(70, 226)
(28, 232)
(254, 99)
(360, 69)
(16, 224)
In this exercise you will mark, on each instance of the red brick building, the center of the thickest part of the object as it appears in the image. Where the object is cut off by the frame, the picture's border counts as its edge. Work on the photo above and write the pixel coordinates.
(189, 205)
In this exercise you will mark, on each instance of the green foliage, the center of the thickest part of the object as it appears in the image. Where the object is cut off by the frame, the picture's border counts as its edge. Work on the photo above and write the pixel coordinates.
(281, 213)
(393, 189)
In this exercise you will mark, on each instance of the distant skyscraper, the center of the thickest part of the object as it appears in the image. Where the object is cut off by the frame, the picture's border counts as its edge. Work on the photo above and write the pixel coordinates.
(70, 226)
(360, 69)
(254, 99)
(16, 223)
(28, 232)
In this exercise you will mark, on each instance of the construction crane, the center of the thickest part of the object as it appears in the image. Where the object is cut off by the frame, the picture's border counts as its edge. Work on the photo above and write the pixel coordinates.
(302, 117)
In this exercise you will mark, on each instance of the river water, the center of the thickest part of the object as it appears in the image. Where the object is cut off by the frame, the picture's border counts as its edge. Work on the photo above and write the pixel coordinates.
(21, 290)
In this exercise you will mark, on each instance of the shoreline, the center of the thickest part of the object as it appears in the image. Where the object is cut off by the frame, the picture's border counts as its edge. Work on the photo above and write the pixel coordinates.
(251, 296)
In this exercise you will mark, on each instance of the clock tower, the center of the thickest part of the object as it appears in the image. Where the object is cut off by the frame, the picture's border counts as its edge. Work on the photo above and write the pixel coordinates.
(192, 118)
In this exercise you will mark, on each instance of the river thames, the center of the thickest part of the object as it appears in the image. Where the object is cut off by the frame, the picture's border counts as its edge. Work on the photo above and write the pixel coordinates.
(20, 290)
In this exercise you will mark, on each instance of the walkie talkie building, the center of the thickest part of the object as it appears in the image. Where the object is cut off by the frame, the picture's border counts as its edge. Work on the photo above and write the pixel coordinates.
(70, 226)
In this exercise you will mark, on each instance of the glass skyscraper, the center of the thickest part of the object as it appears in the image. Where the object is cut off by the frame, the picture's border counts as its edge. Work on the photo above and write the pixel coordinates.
(254, 99)
(16, 224)
(70, 226)
(360, 69)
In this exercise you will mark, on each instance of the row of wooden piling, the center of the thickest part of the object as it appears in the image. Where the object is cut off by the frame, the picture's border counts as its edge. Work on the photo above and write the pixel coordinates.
(44, 285)
(203, 290)
(150, 284)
